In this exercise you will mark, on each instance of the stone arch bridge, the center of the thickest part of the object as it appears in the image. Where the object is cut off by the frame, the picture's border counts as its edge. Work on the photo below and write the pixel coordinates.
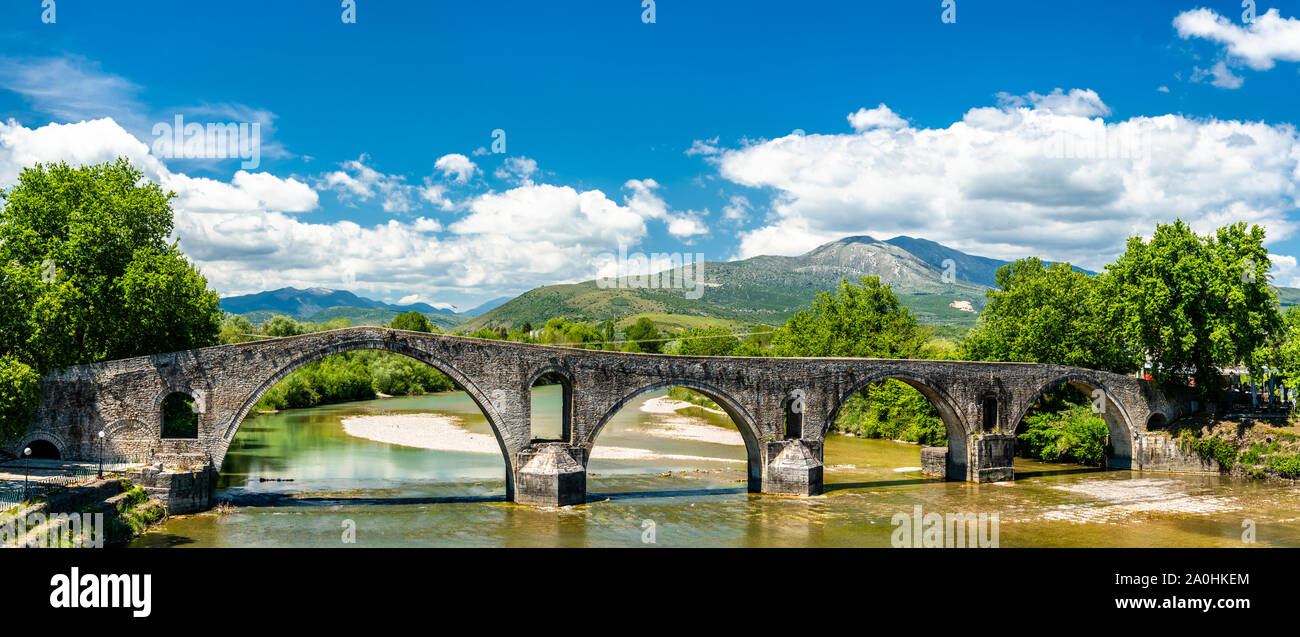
(782, 406)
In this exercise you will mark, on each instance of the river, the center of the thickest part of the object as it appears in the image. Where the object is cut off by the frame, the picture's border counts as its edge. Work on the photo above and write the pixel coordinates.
(297, 479)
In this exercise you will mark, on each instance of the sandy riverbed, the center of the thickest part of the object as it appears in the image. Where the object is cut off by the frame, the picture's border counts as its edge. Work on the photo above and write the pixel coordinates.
(444, 433)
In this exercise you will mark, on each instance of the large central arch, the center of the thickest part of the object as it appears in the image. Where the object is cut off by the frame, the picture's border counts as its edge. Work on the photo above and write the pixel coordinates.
(1119, 426)
(227, 433)
(740, 416)
(953, 420)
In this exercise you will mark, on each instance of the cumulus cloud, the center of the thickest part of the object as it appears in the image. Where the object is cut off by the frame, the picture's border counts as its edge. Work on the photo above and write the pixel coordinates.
(456, 167)
(1038, 174)
(878, 117)
(1262, 43)
(705, 147)
(647, 204)
(245, 233)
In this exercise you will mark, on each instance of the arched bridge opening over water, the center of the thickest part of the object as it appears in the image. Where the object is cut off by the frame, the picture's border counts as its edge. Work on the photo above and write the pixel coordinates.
(783, 407)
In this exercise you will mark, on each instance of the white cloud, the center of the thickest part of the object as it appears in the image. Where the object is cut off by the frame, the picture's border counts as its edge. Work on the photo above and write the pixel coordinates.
(998, 183)
(1220, 75)
(878, 117)
(737, 209)
(274, 193)
(240, 234)
(360, 182)
(705, 147)
(1075, 103)
(1285, 271)
(1268, 38)
(456, 167)
(647, 204)
(517, 169)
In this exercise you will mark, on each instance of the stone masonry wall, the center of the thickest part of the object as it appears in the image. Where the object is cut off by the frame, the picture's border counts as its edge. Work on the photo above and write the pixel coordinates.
(124, 398)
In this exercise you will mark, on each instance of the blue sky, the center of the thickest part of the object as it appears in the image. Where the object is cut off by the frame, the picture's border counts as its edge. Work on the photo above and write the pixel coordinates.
(673, 136)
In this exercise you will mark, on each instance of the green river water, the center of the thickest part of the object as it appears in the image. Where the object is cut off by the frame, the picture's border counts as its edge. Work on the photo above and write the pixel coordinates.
(298, 480)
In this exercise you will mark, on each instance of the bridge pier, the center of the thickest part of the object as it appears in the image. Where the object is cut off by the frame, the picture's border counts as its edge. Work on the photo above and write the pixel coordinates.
(991, 458)
(551, 474)
(792, 467)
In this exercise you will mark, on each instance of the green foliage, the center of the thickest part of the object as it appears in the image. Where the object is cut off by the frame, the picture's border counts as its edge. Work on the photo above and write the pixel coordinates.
(1192, 303)
(1222, 451)
(1288, 466)
(412, 322)
(353, 376)
(1047, 314)
(102, 279)
(19, 396)
(89, 272)
(692, 397)
(645, 335)
(1073, 434)
(236, 329)
(708, 341)
(894, 411)
(179, 417)
(863, 321)
(282, 326)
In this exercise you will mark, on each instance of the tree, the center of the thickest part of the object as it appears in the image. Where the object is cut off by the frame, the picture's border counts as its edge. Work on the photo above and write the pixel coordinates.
(19, 395)
(281, 326)
(236, 329)
(1194, 304)
(89, 272)
(412, 322)
(864, 320)
(646, 336)
(1047, 314)
(707, 341)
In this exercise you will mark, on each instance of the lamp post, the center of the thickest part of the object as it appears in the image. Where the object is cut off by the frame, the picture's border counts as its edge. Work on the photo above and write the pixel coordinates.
(27, 465)
(101, 454)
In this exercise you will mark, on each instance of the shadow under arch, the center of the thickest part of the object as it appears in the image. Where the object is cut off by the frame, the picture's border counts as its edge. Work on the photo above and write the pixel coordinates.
(388, 345)
(740, 417)
(953, 421)
(1119, 427)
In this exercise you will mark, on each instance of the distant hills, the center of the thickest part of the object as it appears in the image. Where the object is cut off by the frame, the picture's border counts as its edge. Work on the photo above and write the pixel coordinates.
(941, 285)
(321, 304)
(770, 289)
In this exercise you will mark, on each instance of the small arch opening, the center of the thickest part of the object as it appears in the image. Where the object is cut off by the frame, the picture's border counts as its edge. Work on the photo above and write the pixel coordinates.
(180, 418)
(793, 409)
(990, 409)
(1156, 421)
(550, 404)
(43, 450)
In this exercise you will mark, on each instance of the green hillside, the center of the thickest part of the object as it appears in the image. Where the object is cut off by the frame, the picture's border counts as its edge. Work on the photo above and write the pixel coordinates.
(764, 289)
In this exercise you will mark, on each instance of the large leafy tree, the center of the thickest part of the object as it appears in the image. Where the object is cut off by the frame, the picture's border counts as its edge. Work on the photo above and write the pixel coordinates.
(864, 320)
(1194, 303)
(412, 322)
(646, 336)
(91, 273)
(1047, 314)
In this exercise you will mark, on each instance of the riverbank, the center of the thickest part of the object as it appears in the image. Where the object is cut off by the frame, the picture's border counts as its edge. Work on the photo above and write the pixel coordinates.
(443, 432)
(1250, 448)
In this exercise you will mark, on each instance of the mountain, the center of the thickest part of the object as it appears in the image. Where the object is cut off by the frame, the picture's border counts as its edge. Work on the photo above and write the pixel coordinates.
(489, 305)
(967, 267)
(763, 289)
(304, 303)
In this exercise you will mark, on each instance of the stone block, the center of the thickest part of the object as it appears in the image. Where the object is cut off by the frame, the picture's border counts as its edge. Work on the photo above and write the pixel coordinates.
(934, 461)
